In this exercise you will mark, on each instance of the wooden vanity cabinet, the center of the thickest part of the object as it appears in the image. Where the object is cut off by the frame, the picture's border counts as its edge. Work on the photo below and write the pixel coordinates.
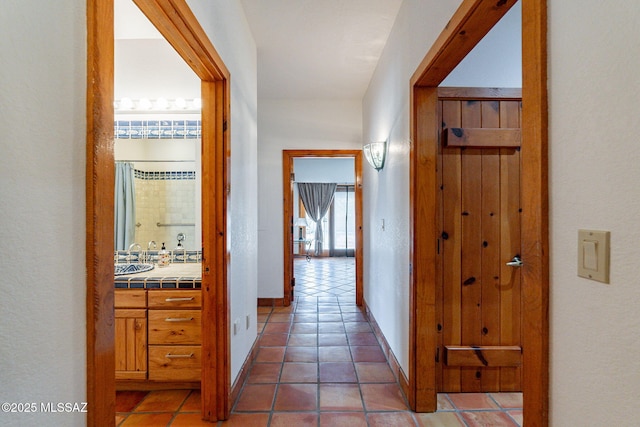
(158, 336)
(131, 334)
(174, 335)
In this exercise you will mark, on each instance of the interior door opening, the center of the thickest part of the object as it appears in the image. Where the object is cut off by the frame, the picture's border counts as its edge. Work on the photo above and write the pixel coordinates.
(472, 20)
(322, 223)
(181, 29)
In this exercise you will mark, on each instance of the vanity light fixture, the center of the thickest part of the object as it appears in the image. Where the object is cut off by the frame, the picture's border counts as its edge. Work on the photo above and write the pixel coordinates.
(375, 153)
(162, 104)
(146, 105)
(180, 103)
(126, 104)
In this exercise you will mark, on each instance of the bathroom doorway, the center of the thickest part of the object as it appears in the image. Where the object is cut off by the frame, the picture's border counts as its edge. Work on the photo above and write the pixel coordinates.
(181, 29)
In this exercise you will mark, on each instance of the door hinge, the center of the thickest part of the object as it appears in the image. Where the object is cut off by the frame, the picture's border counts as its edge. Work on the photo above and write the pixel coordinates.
(224, 126)
(293, 177)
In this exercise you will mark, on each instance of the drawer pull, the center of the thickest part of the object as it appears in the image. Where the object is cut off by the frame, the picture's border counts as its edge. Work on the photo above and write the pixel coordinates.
(178, 319)
(179, 356)
(179, 299)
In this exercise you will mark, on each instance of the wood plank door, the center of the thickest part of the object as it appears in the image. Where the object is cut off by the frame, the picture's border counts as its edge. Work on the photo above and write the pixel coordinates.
(478, 297)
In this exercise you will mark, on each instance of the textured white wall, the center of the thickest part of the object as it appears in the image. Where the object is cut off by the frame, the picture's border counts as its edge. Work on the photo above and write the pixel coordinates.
(594, 155)
(42, 188)
(386, 114)
(497, 60)
(227, 27)
(286, 124)
(42, 171)
(386, 193)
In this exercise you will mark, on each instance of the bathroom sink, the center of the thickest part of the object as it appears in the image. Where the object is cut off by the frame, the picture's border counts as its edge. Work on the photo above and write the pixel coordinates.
(121, 269)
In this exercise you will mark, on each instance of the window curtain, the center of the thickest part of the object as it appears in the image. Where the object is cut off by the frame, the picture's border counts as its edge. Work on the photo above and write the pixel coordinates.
(316, 198)
(124, 206)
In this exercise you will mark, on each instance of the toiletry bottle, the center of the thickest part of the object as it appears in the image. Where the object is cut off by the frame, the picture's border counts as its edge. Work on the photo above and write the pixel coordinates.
(163, 257)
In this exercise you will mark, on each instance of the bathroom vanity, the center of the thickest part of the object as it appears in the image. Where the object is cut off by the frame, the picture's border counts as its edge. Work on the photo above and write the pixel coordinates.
(158, 328)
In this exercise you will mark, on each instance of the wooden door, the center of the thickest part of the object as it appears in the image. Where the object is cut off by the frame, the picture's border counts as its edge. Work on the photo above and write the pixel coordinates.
(478, 296)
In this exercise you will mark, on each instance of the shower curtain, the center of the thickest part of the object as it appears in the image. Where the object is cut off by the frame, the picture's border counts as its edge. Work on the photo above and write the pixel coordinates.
(124, 206)
(316, 198)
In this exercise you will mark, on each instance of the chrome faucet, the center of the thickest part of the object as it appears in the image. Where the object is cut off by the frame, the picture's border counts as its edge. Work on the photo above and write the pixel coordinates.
(132, 247)
(135, 245)
(148, 257)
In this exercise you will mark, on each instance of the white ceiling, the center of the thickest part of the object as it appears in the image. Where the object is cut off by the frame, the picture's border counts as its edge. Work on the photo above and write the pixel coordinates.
(318, 49)
(313, 49)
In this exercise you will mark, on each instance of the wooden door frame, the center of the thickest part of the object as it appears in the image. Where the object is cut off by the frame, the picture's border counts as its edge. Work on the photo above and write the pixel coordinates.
(288, 157)
(469, 24)
(179, 26)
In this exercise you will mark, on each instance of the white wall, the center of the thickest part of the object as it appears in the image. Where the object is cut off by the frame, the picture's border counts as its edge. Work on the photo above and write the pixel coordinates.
(227, 27)
(42, 188)
(497, 60)
(593, 91)
(386, 114)
(293, 124)
(42, 171)
(594, 156)
(386, 193)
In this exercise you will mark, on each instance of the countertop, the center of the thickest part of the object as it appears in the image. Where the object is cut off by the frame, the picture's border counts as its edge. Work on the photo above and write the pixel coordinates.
(173, 276)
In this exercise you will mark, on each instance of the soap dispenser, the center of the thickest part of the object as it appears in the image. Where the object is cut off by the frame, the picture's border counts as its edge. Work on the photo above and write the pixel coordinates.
(163, 257)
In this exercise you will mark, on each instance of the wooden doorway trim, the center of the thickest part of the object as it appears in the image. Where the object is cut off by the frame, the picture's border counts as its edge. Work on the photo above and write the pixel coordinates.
(287, 189)
(179, 26)
(469, 24)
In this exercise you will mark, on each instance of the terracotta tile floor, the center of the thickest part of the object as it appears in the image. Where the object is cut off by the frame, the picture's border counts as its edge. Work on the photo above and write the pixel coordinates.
(319, 364)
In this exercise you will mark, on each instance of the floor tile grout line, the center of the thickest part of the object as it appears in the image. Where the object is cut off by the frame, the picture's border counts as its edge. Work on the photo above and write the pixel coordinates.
(320, 303)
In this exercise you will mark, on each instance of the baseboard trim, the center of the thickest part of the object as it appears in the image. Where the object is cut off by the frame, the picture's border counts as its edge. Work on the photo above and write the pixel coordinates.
(244, 372)
(270, 302)
(391, 357)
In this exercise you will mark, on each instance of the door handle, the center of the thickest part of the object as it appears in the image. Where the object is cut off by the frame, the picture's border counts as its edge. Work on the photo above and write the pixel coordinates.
(515, 262)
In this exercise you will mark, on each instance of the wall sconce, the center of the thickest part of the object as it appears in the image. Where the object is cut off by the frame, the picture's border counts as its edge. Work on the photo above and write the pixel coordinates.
(375, 153)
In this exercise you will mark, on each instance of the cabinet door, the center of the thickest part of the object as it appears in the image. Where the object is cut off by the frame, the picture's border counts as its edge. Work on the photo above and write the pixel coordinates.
(131, 344)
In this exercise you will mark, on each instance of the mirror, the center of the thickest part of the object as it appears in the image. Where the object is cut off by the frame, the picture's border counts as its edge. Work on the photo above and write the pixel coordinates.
(161, 201)
(157, 130)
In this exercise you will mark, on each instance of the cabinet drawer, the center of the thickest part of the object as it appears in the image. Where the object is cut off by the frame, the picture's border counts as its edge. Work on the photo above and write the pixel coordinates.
(126, 298)
(175, 299)
(174, 326)
(174, 363)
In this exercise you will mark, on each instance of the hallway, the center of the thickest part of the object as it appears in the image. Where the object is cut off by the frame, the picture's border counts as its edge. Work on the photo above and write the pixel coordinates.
(319, 364)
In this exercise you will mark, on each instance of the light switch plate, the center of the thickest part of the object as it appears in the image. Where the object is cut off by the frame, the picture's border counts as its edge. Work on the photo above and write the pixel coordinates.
(593, 255)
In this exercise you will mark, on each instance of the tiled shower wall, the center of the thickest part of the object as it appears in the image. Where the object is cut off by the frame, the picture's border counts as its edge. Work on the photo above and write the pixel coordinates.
(166, 198)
